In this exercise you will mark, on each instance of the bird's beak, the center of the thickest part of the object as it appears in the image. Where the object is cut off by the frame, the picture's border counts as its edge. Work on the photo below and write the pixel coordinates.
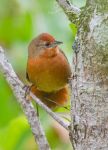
(55, 43)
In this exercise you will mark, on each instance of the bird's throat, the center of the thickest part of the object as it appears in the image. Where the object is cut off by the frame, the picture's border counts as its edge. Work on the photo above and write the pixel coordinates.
(50, 52)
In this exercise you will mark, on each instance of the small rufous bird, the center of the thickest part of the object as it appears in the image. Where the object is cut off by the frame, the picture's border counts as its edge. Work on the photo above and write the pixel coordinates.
(48, 70)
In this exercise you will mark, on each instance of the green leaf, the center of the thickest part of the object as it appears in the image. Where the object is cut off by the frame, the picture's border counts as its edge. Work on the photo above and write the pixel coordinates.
(73, 29)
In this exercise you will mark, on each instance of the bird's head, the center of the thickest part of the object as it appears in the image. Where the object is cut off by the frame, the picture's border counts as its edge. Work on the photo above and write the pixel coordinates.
(43, 45)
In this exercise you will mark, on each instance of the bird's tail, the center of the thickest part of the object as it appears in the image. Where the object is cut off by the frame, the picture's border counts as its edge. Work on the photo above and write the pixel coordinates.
(53, 99)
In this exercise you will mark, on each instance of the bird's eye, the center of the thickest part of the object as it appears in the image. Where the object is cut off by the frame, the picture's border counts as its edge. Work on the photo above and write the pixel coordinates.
(47, 44)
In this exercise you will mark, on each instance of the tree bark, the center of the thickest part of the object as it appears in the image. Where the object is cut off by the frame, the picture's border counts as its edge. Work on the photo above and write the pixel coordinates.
(90, 79)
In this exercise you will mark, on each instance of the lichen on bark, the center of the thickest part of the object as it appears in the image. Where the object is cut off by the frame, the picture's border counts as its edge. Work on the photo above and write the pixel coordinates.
(90, 79)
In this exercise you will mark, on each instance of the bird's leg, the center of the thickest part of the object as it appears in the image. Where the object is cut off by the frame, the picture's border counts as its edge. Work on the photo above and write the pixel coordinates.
(37, 109)
(27, 89)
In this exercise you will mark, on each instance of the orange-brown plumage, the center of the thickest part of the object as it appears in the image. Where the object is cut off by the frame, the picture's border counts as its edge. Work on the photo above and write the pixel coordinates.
(47, 67)
(53, 99)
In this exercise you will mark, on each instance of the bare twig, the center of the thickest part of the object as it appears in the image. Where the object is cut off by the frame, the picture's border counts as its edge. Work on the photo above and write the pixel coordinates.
(50, 112)
(27, 107)
(70, 10)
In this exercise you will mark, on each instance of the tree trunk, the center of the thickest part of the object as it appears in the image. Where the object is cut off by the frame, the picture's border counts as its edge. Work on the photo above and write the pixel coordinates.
(90, 79)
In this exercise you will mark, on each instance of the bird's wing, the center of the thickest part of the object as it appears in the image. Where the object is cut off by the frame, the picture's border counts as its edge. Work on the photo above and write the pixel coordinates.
(64, 55)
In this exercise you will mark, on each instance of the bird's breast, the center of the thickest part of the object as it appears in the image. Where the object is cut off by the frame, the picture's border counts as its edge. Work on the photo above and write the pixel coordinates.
(49, 73)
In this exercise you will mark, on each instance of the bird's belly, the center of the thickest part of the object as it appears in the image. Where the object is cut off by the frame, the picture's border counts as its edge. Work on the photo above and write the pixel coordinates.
(47, 82)
(49, 74)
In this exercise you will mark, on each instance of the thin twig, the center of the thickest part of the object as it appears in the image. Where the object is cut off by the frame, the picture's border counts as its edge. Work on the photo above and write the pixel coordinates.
(50, 112)
(70, 10)
(27, 107)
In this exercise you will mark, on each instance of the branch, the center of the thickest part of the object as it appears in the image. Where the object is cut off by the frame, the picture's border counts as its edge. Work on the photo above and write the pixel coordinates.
(50, 112)
(27, 107)
(17, 86)
(71, 11)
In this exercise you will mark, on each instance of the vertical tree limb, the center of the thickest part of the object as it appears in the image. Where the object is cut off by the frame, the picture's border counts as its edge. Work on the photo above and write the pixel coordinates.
(71, 11)
(90, 79)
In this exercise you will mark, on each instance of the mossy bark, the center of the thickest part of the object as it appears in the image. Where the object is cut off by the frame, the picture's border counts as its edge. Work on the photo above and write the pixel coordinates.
(90, 79)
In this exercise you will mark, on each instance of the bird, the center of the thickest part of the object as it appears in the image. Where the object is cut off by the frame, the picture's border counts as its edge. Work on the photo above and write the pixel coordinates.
(48, 70)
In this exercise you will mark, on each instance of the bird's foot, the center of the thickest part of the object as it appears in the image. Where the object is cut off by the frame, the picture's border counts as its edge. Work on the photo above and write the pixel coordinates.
(27, 89)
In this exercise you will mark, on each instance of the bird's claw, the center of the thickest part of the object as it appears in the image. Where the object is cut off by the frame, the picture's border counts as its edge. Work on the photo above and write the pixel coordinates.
(27, 89)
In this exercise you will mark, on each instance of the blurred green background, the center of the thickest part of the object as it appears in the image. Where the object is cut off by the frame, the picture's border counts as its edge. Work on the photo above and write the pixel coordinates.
(21, 21)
